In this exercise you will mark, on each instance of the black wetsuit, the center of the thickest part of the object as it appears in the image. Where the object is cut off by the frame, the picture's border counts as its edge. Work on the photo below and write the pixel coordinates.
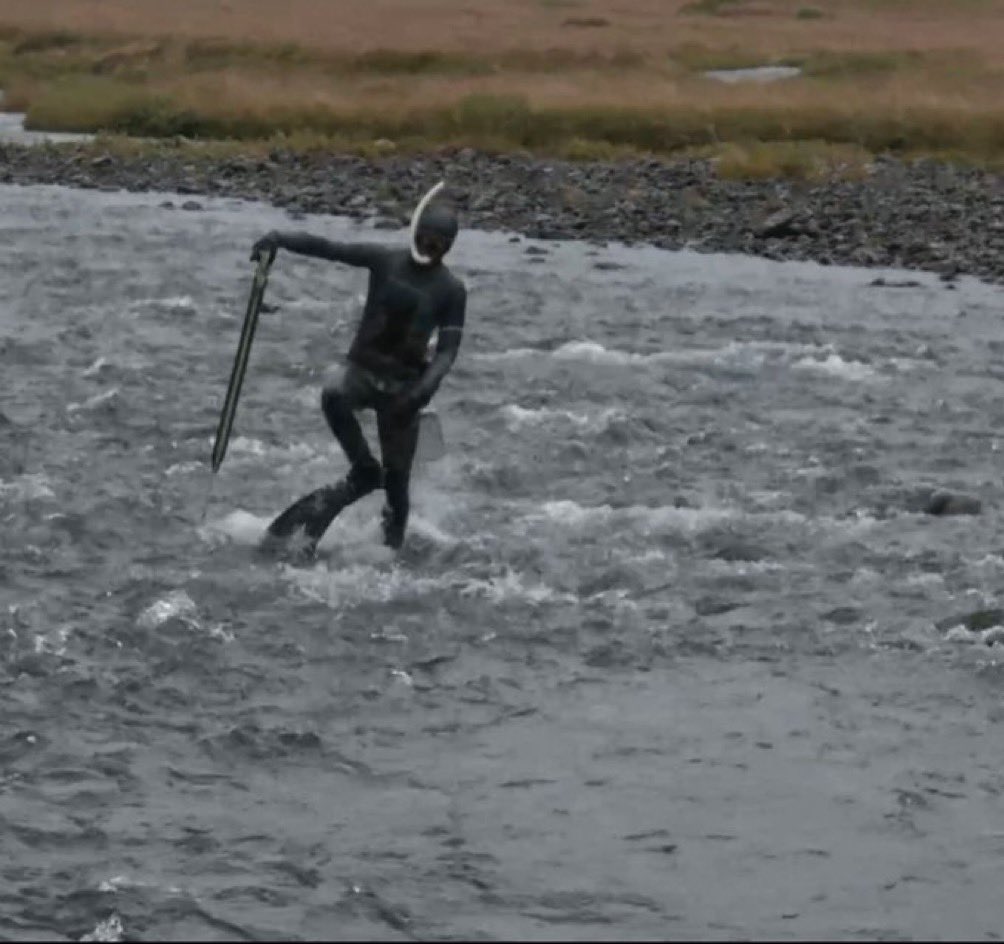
(387, 371)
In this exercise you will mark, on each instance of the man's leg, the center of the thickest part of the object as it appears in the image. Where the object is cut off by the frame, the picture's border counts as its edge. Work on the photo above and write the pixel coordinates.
(340, 401)
(397, 445)
(314, 513)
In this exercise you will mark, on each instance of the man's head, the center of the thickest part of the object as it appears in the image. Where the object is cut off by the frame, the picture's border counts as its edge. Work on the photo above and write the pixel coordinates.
(433, 228)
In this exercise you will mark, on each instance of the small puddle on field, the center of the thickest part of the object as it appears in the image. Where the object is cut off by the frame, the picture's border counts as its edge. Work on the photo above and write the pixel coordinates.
(755, 74)
(12, 131)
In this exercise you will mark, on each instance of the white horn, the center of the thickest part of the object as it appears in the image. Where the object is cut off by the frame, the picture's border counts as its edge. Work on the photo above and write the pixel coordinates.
(415, 217)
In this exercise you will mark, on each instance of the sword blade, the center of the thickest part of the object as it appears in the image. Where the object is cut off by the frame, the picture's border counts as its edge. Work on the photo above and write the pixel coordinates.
(237, 373)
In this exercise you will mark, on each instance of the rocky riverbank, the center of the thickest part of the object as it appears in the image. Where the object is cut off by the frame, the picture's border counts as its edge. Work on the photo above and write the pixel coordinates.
(923, 216)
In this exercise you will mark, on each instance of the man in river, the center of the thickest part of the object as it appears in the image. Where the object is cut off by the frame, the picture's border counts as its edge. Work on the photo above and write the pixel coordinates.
(411, 295)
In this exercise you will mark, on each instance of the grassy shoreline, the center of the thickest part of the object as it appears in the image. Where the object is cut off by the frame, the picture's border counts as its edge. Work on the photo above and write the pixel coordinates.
(609, 98)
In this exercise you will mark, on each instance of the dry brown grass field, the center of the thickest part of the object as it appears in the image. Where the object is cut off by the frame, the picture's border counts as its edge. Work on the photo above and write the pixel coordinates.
(575, 77)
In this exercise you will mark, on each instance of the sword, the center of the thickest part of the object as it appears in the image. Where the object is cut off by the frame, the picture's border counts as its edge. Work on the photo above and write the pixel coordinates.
(240, 367)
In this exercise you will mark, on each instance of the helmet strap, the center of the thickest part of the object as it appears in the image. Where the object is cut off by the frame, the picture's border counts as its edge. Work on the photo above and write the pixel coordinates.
(415, 218)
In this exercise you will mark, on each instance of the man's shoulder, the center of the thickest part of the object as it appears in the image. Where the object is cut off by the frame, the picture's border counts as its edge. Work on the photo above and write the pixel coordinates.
(397, 256)
(456, 284)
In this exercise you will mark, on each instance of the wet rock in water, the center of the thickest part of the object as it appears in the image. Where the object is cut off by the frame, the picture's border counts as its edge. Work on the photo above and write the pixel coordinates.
(709, 606)
(731, 548)
(843, 615)
(994, 636)
(609, 655)
(883, 283)
(943, 503)
(33, 663)
(191, 205)
(975, 621)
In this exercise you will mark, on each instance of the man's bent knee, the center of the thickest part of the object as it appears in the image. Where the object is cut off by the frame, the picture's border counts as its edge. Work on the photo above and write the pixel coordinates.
(334, 402)
(346, 390)
(365, 478)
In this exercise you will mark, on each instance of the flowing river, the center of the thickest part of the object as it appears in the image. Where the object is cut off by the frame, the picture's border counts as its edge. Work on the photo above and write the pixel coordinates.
(670, 651)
